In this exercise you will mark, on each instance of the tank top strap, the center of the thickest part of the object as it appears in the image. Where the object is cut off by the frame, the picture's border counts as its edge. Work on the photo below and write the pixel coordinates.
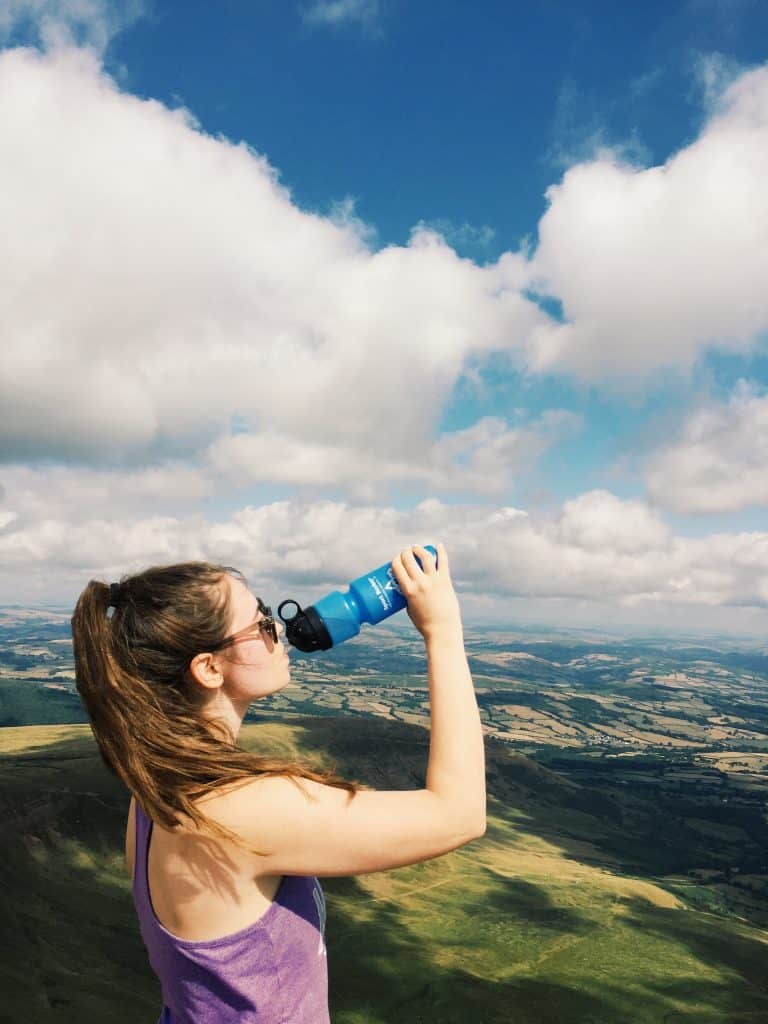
(140, 884)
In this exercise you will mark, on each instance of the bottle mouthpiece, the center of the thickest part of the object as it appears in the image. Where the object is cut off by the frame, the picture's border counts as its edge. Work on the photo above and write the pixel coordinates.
(304, 629)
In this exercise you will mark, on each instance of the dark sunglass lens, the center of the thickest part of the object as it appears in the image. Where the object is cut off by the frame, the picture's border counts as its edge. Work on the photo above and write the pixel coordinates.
(267, 624)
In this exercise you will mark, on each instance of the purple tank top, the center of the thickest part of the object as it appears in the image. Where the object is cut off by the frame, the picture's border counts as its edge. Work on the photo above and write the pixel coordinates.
(272, 972)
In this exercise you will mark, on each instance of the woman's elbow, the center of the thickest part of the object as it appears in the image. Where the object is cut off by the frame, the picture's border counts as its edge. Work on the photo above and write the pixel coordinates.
(474, 828)
(480, 826)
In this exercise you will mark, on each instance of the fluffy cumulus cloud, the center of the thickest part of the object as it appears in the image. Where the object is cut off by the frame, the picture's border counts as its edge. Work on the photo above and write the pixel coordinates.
(599, 521)
(176, 328)
(720, 461)
(656, 265)
(29, 494)
(161, 283)
(483, 459)
(598, 548)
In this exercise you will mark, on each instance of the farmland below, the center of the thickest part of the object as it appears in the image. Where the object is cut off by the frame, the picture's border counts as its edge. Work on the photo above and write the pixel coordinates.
(624, 875)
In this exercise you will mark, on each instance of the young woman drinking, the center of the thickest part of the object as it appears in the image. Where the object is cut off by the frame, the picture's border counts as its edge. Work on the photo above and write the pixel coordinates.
(224, 846)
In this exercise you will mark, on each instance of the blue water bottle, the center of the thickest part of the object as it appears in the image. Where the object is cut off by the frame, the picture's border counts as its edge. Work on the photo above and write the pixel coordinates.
(338, 616)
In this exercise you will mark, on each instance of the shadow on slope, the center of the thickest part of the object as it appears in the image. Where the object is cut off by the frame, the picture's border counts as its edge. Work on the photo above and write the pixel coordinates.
(449, 941)
(382, 971)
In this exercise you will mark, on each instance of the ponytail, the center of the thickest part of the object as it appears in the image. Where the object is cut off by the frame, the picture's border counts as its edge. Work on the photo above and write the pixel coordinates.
(131, 670)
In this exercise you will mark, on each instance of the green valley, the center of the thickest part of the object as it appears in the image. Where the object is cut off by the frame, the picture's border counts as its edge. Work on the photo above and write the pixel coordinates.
(623, 876)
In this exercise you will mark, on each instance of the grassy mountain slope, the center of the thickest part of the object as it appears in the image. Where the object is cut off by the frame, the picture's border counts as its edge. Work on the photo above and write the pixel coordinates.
(558, 914)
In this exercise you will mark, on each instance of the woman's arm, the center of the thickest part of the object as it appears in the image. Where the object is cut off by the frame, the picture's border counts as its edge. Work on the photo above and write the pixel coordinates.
(327, 832)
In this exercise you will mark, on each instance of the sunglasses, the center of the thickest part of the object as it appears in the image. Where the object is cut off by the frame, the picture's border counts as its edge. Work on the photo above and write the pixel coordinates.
(266, 627)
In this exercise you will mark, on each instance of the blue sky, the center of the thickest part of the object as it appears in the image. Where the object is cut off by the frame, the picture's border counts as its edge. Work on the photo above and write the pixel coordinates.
(434, 261)
(431, 111)
(426, 112)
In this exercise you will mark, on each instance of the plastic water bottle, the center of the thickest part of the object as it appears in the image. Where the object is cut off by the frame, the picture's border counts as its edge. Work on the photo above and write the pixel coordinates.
(338, 616)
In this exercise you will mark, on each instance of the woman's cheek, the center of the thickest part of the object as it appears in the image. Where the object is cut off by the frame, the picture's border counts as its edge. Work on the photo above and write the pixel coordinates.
(258, 657)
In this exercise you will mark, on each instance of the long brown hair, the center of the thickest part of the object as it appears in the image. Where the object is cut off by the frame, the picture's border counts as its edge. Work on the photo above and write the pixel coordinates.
(132, 673)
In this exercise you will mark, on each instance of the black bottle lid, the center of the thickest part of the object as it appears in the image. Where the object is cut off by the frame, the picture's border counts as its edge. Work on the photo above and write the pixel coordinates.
(305, 630)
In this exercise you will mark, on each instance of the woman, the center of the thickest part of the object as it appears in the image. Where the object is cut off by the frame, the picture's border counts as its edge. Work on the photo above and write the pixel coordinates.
(224, 846)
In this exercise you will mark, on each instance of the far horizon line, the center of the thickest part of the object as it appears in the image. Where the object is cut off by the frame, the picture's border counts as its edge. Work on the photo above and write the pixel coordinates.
(613, 630)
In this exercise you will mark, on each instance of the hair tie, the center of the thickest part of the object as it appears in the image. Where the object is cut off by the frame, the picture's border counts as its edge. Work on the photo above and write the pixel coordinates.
(114, 595)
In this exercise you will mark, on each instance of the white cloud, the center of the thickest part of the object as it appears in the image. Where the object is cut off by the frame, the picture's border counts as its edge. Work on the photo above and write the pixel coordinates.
(161, 289)
(599, 521)
(655, 266)
(720, 462)
(75, 494)
(599, 549)
(160, 283)
(53, 23)
(335, 12)
(344, 214)
(483, 459)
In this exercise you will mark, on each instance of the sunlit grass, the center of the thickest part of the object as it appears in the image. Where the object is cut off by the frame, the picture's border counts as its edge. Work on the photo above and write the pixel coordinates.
(540, 921)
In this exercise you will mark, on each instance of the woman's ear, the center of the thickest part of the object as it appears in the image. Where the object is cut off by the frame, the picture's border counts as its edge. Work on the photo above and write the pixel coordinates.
(206, 672)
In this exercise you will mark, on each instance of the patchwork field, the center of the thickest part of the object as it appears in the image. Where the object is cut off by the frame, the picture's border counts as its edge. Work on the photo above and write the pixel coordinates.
(624, 875)
(558, 913)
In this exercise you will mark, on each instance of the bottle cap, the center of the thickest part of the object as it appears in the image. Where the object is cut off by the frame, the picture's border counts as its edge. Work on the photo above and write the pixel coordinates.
(304, 630)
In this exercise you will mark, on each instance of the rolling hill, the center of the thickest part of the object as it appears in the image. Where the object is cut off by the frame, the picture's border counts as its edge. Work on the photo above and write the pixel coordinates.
(573, 907)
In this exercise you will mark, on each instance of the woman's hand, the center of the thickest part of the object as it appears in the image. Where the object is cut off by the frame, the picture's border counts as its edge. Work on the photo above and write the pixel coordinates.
(432, 603)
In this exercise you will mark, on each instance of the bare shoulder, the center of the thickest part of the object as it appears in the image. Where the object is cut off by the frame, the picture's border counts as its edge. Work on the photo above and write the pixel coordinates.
(296, 826)
(248, 805)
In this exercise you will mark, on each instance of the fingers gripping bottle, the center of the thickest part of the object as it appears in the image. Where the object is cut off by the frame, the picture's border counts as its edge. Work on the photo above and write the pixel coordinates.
(338, 616)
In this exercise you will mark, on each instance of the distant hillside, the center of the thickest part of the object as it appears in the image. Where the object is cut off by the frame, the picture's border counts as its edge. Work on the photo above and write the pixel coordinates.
(558, 914)
(22, 703)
